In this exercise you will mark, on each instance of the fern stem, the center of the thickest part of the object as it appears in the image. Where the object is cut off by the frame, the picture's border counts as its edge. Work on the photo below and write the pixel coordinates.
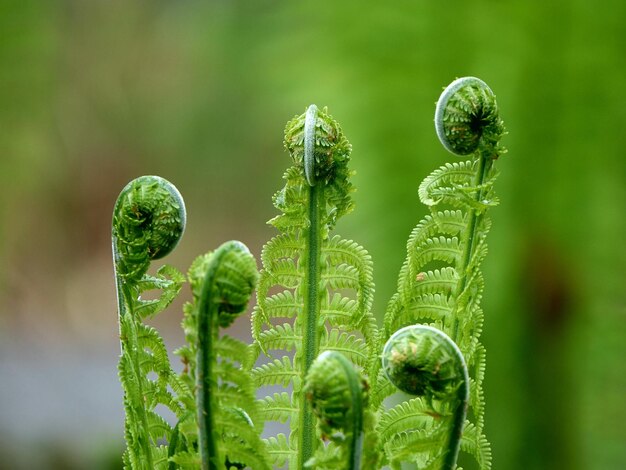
(484, 165)
(208, 331)
(129, 344)
(460, 413)
(356, 393)
(313, 240)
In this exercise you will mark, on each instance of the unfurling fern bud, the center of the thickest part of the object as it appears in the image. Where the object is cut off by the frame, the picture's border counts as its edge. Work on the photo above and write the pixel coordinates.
(421, 360)
(222, 282)
(228, 277)
(424, 361)
(338, 396)
(316, 142)
(148, 222)
(467, 118)
(335, 390)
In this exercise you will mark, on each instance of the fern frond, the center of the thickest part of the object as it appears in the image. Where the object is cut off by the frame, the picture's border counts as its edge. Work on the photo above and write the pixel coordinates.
(231, 348)
(340, 311)
(186, 460)
(282, 305)
(413, 414)
(311, 282)
(169, 280)
(285, 272)
(275, 373)
(279, 337)
(445, 183)
(411, 445)
(338, 277)
(278, 407)
(279, 450)
(286, 245)
(328, 457)
(475, 443)
(440, 282)
(429, 307)
(347, 344)
(161, 458)
(446, 250)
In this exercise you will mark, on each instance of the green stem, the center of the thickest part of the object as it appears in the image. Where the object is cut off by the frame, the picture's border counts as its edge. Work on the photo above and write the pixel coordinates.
(129, 344)
(356, 393)
(208, 333)
(460, 413)
(484, 164)
(313, 242)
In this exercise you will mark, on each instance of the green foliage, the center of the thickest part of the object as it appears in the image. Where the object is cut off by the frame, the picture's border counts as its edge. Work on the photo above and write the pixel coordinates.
(313, 331)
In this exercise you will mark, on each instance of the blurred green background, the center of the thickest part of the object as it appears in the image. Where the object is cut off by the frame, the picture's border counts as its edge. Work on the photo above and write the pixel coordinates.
(95, 93)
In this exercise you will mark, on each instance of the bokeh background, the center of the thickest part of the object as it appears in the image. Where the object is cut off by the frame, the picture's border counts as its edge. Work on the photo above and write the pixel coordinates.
(95, 93)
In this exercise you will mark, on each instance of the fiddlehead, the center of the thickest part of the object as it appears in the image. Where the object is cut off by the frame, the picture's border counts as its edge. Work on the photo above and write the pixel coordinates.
(423, 361)
(440, 282)
(467, 120)
(324, 282)
(148, 221)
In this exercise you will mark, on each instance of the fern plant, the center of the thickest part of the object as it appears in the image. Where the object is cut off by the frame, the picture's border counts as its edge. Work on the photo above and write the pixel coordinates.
(315, 361)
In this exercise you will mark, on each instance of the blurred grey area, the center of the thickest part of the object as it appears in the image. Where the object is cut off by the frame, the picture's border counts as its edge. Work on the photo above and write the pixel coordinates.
(94, 94)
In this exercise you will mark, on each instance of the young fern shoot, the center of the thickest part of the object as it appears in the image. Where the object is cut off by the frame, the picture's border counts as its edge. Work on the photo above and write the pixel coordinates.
(148, 222)
(222, 283)
(440, 283)
(324, 282)
(337, 394)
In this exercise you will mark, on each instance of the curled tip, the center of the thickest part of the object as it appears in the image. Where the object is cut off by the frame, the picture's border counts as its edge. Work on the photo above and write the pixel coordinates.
(466, 115)
(318, 146)
(148, 222)
(422, 360)
(228, 277)
(335, 389)
(310, 121)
